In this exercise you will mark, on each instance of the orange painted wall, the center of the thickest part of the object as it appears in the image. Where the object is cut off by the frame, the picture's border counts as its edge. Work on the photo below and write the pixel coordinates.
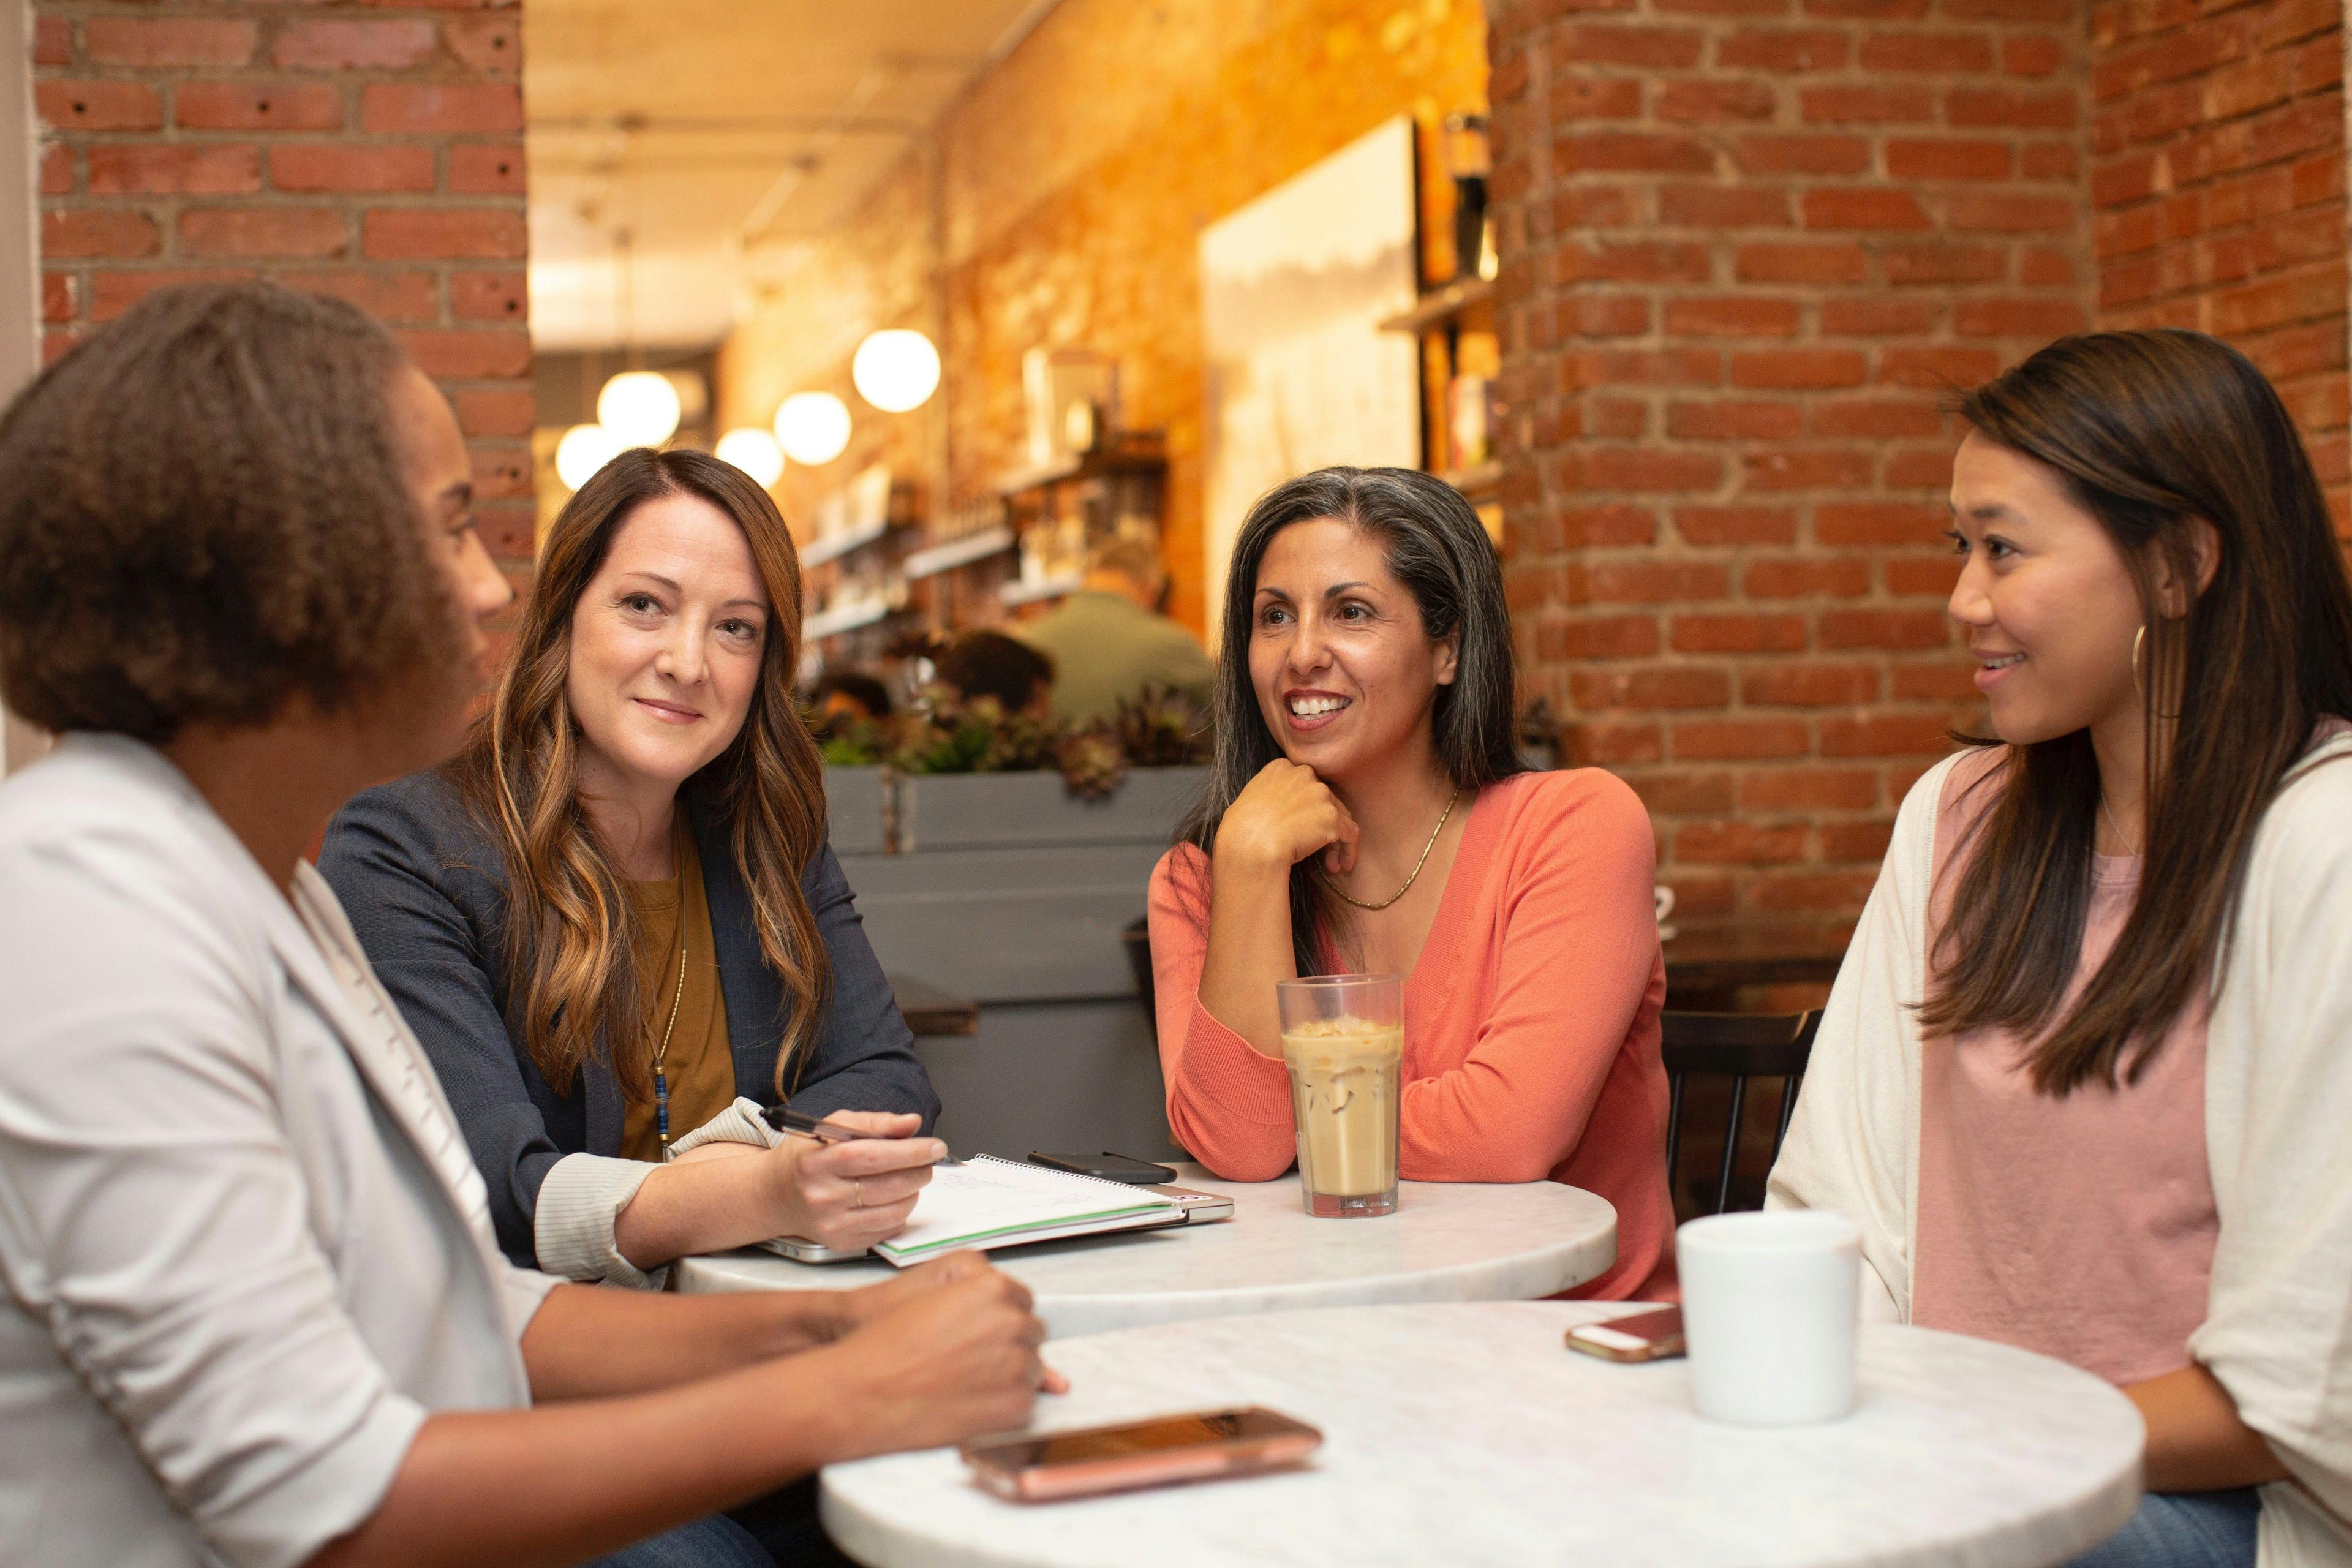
(1075, 179)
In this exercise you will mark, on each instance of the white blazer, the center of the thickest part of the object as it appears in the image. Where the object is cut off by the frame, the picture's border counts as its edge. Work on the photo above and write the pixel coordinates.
(245, 1249)
(2278, 1132)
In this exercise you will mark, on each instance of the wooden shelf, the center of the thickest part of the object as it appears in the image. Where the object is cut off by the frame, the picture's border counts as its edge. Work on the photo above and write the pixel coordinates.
(1440, 306)
(841, 545)
(938, 558)
(848, 618)
(1478, 483)
(1128, 452)
(1019, 593)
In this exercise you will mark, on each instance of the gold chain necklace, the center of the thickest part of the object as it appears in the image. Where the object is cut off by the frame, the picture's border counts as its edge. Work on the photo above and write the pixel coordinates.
(2120, 836)
(1417, 865)
(661, 1080)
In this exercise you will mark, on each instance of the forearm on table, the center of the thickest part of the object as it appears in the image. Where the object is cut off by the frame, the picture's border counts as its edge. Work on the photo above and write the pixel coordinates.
(588, 1342)
(702, 1205)
(565, 1484)
(2196, 1443)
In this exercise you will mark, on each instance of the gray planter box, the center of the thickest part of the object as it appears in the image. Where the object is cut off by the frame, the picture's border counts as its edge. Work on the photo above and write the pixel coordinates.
(853, 809)
(1009, 891)
(1001, 811)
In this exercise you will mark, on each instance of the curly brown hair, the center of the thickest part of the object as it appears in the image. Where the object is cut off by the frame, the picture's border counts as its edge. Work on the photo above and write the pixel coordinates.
(203, 516)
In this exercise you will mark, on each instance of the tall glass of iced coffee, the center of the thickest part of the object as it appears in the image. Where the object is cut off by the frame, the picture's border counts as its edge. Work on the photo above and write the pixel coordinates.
(1343, 1038)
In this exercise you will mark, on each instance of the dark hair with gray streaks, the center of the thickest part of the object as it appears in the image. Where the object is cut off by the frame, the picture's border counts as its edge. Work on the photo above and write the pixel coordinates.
(1438, 549)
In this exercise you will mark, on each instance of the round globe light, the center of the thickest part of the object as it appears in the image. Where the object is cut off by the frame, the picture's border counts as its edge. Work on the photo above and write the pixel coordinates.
(896, 370)
(640, 407)
(585, 449)
(813, 427)
(755, 452)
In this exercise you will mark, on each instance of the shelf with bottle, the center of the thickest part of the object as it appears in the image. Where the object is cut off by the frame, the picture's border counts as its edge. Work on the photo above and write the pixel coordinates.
(993, 538)
(1456, 304)
(865, 511)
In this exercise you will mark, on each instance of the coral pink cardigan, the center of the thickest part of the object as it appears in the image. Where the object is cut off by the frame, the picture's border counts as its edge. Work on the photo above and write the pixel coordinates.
(1531, 1019)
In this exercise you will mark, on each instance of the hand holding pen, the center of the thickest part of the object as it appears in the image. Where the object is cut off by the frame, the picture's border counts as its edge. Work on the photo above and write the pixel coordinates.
(852, 1177)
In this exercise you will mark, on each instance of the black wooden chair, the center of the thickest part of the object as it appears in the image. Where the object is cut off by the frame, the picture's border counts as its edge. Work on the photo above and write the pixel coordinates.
(1740, 1046)
(1136, 937)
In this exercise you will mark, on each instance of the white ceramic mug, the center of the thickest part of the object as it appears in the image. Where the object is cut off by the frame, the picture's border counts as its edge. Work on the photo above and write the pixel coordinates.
(1768, 1307)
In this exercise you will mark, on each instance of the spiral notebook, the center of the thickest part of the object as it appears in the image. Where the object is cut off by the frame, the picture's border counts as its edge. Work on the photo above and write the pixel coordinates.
(987, 1201)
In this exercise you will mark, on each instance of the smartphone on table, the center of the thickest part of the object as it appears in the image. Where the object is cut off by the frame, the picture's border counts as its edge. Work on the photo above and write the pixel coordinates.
(1643, 1336)
(1104, 1167)
(1167, 1448)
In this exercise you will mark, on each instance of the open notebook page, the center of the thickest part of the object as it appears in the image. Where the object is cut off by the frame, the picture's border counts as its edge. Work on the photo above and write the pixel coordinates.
(988, 1201)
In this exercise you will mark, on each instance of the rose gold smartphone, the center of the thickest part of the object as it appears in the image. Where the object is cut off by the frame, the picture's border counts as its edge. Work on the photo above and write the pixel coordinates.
(1140, 1454)
(1644, 1336)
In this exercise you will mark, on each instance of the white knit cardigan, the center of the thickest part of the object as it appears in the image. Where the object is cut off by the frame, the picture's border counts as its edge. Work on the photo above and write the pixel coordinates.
(2278, 1132)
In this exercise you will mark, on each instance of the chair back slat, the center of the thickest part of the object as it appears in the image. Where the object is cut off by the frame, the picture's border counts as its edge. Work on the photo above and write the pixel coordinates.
(1740, 1046)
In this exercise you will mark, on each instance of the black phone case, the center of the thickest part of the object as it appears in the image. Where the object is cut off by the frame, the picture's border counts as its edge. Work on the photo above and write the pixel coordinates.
(1106, 1167)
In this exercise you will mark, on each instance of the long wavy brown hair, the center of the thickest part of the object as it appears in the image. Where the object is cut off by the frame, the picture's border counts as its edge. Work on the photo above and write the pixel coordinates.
(2152, 433)
(572, 933)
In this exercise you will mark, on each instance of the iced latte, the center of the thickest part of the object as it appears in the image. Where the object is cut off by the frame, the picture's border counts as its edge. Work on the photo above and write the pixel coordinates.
(1345, 1076)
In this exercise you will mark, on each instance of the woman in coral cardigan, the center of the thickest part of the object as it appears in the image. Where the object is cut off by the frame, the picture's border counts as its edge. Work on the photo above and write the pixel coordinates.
(1369, 813)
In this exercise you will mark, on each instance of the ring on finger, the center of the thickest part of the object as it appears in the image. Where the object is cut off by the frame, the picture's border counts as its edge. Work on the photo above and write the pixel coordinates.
(857, 1191)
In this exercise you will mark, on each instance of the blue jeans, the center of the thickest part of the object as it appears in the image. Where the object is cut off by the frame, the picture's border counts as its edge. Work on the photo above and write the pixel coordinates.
(778, 1531)
(714, 1543)
(2183, 1529)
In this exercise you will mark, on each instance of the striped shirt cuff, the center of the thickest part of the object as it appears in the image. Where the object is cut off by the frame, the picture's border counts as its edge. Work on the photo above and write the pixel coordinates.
(738, 1123)
(579, 1204)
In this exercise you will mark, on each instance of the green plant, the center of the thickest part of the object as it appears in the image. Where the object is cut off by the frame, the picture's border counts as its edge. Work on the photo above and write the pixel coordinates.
(1160, 727)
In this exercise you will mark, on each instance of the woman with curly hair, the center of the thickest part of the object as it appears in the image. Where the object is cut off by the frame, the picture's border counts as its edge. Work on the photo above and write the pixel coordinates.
(614, 922)
(252, 1310)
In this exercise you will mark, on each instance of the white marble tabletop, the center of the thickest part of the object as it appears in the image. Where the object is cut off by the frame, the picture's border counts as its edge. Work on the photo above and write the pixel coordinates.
(1469, 1435)
(1448, 1241)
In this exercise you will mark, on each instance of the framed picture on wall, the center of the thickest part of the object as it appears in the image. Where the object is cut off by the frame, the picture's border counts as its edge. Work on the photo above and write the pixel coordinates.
(1294, 287)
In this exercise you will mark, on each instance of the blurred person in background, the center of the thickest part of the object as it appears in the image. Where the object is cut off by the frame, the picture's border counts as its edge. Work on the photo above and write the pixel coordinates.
(990, 664)
(840, 698)
(1110, 640)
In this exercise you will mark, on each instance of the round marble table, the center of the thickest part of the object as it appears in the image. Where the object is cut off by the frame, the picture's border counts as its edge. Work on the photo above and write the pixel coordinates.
(1448, 1241)
(1469, 1435)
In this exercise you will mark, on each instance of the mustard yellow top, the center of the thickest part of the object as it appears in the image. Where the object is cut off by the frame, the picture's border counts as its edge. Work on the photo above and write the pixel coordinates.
(700, 1065)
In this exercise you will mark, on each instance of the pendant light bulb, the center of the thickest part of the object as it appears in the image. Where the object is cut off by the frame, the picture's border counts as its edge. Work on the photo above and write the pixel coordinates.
(896, 370)
(755, 452)
(583, 452)
(813, 427)
(640, 407)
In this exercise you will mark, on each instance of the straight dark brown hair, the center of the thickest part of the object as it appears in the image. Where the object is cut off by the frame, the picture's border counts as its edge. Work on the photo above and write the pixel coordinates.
(2151, 432)
(570, 929)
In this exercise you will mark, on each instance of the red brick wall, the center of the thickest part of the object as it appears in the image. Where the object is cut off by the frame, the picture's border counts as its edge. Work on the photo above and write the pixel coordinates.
(370, 151)
(2218, 154)
(1748, 245)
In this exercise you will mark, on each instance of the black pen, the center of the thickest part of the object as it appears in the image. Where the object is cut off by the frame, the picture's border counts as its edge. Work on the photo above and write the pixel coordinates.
(784, 1119)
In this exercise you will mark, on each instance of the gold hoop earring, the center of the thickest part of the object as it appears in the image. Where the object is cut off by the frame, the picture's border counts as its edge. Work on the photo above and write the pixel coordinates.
(2139, 639)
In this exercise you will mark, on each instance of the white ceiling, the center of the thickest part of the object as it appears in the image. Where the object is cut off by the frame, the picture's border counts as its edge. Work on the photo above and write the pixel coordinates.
(669, 137)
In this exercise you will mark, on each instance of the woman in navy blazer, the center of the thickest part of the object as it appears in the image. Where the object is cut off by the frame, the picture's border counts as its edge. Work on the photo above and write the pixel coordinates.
(640, 764)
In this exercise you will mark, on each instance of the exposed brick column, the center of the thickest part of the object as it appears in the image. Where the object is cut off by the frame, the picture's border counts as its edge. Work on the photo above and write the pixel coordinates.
(1747, 246)
(2218, 152)
(372, 151)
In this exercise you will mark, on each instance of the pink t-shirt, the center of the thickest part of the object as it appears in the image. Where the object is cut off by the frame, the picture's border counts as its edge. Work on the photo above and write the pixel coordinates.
(2081, 1227)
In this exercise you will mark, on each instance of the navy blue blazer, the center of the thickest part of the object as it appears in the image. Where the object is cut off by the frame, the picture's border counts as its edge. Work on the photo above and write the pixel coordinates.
(424, 885)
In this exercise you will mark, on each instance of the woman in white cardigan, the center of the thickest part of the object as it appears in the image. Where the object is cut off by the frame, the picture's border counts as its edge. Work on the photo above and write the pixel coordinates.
(2085, 1078)
(254, 1314)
